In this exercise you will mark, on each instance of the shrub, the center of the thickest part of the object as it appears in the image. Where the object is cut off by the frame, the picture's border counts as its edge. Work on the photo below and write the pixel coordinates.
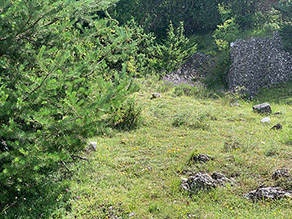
(128, 116)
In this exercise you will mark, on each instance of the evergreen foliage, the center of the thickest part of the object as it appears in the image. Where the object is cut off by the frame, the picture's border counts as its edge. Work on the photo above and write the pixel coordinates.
(58, 78)
(286, 28)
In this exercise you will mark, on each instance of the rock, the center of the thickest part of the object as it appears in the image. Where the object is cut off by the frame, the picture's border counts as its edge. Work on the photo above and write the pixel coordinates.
(132, 214)
(200, 158)
(266, 120)
(235, 104)
(277, 126)
(201, 181)
(268, 193)
(155, 95)
(278, 113)
(92, 146)
(262, 108)
(220, 178)
(283, 172)
(198, 182)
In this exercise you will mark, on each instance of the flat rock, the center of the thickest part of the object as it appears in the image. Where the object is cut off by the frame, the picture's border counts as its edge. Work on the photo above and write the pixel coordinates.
(268, 193)
(266, 120)
(283, 172)
(262, 108)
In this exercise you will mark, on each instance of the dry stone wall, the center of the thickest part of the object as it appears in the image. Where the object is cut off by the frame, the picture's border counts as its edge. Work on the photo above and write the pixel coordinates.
(258, 63)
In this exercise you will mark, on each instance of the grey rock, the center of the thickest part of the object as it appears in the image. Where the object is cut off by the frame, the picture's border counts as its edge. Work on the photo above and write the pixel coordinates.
(92, 146)
(266, 120)
(220, 178)
(198, 182)
(203, 181)
(283, 172)
(262, 108)
(155, 95)
(268, 193)
(200, 158)
(258, 63)
(235, 104)
(132, 214)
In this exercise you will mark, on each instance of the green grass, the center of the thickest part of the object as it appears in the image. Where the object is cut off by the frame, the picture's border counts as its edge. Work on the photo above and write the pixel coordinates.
(140, 170)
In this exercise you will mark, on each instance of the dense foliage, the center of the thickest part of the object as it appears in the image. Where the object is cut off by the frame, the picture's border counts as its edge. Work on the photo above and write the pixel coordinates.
(286, 28)
(58, 78)
(66, 69)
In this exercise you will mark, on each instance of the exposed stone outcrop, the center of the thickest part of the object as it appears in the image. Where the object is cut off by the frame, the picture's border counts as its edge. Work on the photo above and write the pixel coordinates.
(268, 193)
(203, 181)
(258, 63)
(196, 67)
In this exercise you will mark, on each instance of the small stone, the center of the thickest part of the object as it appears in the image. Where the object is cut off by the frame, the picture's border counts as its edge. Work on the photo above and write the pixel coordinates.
(92, 146)
(277, 126)
(235, 104)
(155, 95)
(132, 214)
(262, 108)
(266, 120)
(268, 193)
(278, 113)
(283, 172)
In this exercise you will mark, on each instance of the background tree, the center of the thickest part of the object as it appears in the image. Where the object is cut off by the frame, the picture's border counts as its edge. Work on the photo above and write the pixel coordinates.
(285, 8)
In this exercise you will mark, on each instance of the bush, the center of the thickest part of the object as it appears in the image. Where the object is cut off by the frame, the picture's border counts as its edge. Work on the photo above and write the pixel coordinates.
(128, 116)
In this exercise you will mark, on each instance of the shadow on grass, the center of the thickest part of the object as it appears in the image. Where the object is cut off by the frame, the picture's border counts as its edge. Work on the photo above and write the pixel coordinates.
(44, 201)
(280, 94)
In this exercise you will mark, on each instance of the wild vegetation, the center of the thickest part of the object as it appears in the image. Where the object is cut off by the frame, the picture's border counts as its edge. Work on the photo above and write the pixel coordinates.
(79, 71)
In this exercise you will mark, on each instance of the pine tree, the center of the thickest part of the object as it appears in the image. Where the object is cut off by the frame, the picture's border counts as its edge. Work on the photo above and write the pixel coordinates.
(286, 27)
(62, 68)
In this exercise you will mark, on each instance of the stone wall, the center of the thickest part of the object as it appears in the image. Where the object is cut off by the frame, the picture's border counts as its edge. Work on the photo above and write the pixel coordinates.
(258, 63)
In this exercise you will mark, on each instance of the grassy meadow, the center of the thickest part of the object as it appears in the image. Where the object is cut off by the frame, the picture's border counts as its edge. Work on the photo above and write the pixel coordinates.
(137, 173)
